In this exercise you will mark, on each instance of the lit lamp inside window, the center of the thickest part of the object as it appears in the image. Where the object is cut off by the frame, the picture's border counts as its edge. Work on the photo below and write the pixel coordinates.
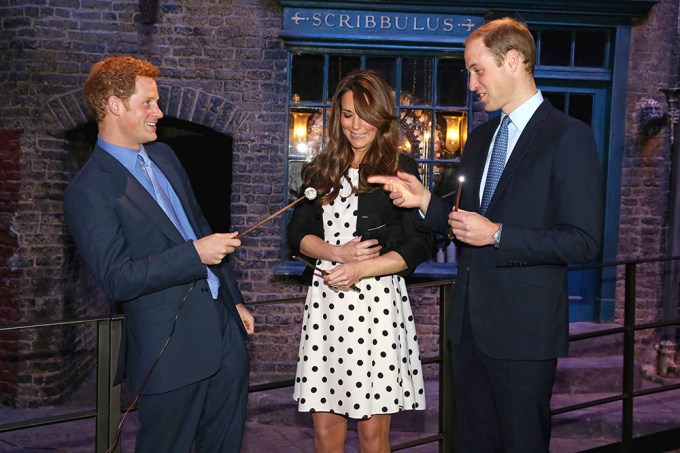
(456, 132)
(299, 131)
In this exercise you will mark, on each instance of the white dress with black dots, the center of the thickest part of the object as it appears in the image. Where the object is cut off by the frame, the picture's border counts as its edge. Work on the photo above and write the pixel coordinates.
(359, 351)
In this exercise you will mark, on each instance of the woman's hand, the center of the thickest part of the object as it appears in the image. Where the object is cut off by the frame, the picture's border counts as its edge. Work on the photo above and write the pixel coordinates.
(344, 276)
(357, 250)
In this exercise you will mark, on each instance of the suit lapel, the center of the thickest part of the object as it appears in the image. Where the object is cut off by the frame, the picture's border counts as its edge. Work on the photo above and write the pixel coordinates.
(131, 188)
(473, 163)
(520, 150)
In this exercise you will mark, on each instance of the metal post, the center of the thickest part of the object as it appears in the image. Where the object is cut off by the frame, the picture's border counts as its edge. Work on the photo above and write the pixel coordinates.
(108, 396)
(446, 413)
(628, 358)
(103, 385)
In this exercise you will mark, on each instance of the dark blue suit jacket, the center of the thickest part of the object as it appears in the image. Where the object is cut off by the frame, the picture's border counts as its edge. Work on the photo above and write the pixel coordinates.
(550, 202)
(140, 259)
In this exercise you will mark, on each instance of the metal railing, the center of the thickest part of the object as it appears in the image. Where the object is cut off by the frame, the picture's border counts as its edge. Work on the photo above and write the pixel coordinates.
(108, 396)
(109, 406)
(628, 443)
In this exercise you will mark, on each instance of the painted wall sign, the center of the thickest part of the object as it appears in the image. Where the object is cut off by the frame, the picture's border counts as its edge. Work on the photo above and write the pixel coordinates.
(375, 24)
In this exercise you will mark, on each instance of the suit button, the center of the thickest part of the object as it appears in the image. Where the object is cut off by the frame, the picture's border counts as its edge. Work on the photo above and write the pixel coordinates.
(204, 290)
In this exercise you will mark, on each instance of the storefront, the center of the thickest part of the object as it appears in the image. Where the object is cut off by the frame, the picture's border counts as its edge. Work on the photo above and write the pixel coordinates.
(583, 55)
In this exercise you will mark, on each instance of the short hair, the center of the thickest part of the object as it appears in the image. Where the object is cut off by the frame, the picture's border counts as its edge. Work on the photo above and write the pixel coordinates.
(115, 76)
(503, 35)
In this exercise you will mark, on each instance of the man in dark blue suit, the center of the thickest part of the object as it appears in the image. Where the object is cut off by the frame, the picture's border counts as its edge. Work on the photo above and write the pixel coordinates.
(531, 204)
(138, 225)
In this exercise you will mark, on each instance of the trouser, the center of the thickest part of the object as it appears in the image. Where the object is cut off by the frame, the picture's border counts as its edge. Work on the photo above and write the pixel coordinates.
(209, 414)
(501, 405)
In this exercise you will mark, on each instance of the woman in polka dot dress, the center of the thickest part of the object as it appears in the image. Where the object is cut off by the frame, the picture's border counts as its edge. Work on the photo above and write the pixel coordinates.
(359, 355)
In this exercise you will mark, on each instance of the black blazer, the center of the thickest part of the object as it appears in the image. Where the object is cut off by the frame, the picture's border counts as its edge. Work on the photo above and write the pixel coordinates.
(377, 218)
(140, 259)
(550, 202)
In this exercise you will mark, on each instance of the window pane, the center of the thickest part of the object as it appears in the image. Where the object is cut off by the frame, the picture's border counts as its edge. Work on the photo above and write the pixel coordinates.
(307, 78)
(416, 81)
(445, 180)
(452, 82)
(558, 100)
(385, 66)
(294, 180)
(424, 170)
(338, 67)
(581, 107)
(555, 48)
(589, 50)
(416, 128)
(452, 133)
(305, 134)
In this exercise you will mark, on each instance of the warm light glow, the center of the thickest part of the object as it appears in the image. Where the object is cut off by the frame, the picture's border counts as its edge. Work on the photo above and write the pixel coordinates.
(452, 143)
(299, 130)
(463, 131)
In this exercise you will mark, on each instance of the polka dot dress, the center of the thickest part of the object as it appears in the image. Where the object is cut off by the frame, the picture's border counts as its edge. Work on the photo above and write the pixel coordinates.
(359, 351)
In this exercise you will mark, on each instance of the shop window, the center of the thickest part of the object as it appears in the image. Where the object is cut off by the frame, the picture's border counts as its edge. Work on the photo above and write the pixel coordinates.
(431, 98)
(572, 48)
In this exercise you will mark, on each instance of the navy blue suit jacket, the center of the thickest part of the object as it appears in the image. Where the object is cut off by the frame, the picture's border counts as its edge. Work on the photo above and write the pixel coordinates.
(550, 202)
(140, 259)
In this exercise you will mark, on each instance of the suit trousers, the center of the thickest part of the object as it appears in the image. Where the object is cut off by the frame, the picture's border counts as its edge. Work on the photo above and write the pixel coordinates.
(210, 414)
(500, 405)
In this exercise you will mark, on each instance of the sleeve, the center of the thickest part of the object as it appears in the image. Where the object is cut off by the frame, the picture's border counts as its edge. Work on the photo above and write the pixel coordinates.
(306, 220)
(573, 232)
(102, 232)
(416, 244)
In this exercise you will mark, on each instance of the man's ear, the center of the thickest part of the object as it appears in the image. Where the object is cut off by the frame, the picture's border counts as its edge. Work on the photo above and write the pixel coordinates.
(114, 104)
(513, 59)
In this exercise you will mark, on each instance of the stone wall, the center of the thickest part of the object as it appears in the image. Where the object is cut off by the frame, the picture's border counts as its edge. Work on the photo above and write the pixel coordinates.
(223, 67)
(646, 167)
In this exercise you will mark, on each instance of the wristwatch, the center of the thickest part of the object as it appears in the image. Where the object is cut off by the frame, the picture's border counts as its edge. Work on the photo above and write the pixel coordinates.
(497, 236)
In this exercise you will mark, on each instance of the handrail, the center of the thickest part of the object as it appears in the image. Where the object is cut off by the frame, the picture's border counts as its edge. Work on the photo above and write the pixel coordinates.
(109, 396)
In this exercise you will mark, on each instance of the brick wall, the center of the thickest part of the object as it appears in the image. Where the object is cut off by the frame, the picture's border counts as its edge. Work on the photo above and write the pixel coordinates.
(10, 180)
(646, 166)
(223, 67)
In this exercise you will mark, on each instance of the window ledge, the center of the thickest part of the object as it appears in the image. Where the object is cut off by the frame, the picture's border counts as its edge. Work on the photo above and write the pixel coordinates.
(426, 270)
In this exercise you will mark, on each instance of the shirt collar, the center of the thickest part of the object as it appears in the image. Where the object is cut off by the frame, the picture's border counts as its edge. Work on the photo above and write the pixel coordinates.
(126, 156)
(522, 114)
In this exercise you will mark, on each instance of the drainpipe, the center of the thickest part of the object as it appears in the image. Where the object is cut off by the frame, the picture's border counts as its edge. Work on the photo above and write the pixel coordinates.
(672, 268)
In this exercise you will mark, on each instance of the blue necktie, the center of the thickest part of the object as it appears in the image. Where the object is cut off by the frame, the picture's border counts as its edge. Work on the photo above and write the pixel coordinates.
(496, 165)
(165, 204)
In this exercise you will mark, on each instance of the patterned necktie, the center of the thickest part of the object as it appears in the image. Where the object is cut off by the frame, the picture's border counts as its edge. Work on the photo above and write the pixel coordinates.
(165, 204)
(161, 195)
(500, 149)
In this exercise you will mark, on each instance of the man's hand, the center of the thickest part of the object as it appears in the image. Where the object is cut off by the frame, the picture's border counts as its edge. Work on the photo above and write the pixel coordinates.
(212, 249)
(472, 228)
(246, 318)
(405, 190)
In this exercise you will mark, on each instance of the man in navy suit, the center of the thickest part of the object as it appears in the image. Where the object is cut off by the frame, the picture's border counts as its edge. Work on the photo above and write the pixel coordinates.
(138, 225)
(509, 319)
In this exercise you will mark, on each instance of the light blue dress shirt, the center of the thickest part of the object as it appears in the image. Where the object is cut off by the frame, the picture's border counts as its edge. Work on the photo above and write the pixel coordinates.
(128, 157)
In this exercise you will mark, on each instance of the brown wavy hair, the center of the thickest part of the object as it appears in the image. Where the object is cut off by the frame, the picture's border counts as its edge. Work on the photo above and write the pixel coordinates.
(374, 103)
(115, 76)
